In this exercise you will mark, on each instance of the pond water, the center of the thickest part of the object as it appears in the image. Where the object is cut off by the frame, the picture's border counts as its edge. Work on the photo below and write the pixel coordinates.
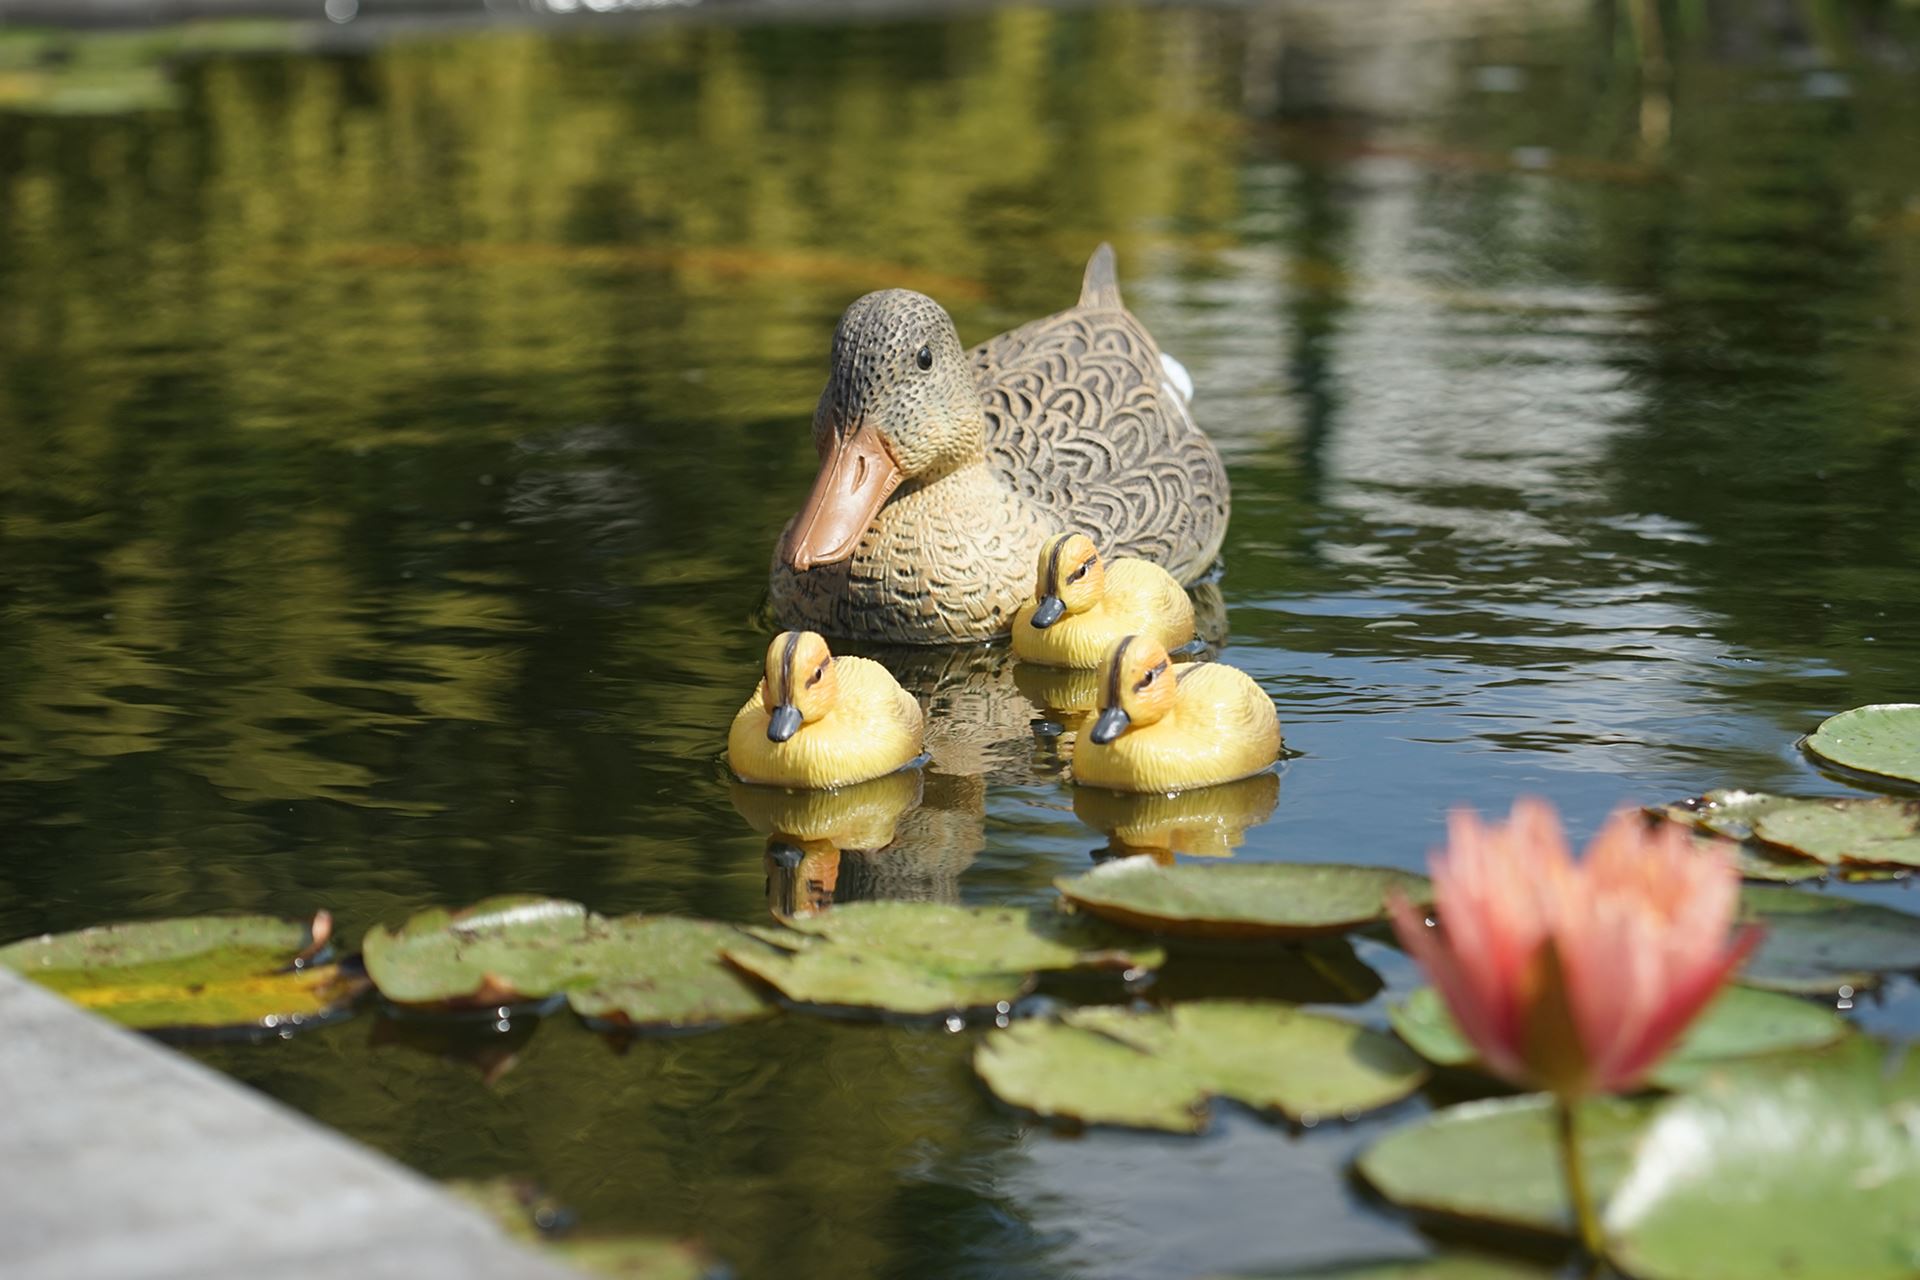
(396, 431)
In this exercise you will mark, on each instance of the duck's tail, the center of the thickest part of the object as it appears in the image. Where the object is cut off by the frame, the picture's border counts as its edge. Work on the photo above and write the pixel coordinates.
(1100, 287)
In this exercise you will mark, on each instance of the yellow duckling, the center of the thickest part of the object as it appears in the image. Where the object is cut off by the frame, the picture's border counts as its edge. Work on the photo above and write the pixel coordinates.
(1163, 728)
(818, 721)
(1081, 608)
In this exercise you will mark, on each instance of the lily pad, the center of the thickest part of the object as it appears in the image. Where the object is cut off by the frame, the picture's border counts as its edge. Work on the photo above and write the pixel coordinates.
(1804, 1175)
(1157, 1070)
(982, 939)
(1818, 944)
(1736, 815)
(1740, 1023)
(201, 973)
(657, 972)
(1881, 832)
(1728, 813)
(1882, 740)
(1269, 901)
(1497, 1161)
(850, 978)
(498, 951)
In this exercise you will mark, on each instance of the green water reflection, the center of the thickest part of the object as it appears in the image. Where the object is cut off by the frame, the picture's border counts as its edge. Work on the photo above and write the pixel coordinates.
(394, 437)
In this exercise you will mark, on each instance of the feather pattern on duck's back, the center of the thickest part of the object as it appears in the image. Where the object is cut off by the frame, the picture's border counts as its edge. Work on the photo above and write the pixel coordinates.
(1082, 421)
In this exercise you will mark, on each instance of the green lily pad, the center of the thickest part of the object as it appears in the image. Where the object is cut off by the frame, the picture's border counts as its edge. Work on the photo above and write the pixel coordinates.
(1740, 1023)
(1497, 1161)
(850, 978)
(1834, 841)
(1728, 813)
(1812, 1174)
(1157, 1070)
(1881, 831)
(1882, 740)
(983, 939)
(201, 973)
(1818, 944)
(655, 972)
(1274, 900)
(637, 971)
(498, 951)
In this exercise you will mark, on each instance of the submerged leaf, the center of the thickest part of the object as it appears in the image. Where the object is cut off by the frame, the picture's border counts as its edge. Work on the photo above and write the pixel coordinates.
(1883, 740)
(1817, 944)
(202, 973)
(1497, 1161)
(524, 1212)
(1276, 900)
(1740, 1023)
(1459, 1266)
(1810, 1174)
(1156, 1070)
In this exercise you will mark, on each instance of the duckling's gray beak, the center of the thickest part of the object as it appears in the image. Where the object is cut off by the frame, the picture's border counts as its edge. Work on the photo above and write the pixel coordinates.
(787, 857)
(1112, 723)
(783, 723)
(1048, 611)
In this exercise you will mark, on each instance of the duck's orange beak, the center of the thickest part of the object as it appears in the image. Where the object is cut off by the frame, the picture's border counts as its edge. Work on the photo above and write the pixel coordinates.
(857, 475)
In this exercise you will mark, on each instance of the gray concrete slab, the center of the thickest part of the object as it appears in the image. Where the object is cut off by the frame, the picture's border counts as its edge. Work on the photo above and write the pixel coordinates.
(122, 1160)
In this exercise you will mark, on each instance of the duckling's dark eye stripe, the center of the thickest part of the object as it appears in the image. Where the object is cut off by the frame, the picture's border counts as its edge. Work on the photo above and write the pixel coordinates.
(786, 668)
(1158, 669)
(1053, 566)
(1113, 676)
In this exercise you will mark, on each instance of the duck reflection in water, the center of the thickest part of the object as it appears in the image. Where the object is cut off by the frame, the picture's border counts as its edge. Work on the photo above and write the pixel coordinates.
(904, 836)
(1210, 822)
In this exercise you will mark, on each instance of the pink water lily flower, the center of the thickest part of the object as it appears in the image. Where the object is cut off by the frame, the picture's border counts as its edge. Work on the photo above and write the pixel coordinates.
(1575, 977)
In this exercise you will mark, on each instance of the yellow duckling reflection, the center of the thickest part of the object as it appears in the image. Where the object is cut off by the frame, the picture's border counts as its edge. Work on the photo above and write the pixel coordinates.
(1081, 608)
(1167, 729)
(864, 816)
(1210, 822)
(818, 721)
(807, 830)
(801, 878)
(1065, 695)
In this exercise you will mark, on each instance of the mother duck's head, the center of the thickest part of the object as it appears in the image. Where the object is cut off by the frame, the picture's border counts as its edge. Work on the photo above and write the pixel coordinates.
(900, 404)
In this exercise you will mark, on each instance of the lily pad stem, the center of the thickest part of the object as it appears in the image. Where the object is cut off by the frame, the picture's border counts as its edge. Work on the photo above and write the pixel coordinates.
(1563, 1109)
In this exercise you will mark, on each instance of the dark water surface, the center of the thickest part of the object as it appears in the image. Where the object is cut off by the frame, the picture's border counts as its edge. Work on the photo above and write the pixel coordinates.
(394, 437)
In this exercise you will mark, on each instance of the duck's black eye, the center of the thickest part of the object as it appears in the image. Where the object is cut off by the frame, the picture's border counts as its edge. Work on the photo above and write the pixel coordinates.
(818, 672)
(924, 359)
(1081, 572)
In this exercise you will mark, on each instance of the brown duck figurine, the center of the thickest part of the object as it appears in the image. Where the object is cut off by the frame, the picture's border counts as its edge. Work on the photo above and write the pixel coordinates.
(942, 471)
